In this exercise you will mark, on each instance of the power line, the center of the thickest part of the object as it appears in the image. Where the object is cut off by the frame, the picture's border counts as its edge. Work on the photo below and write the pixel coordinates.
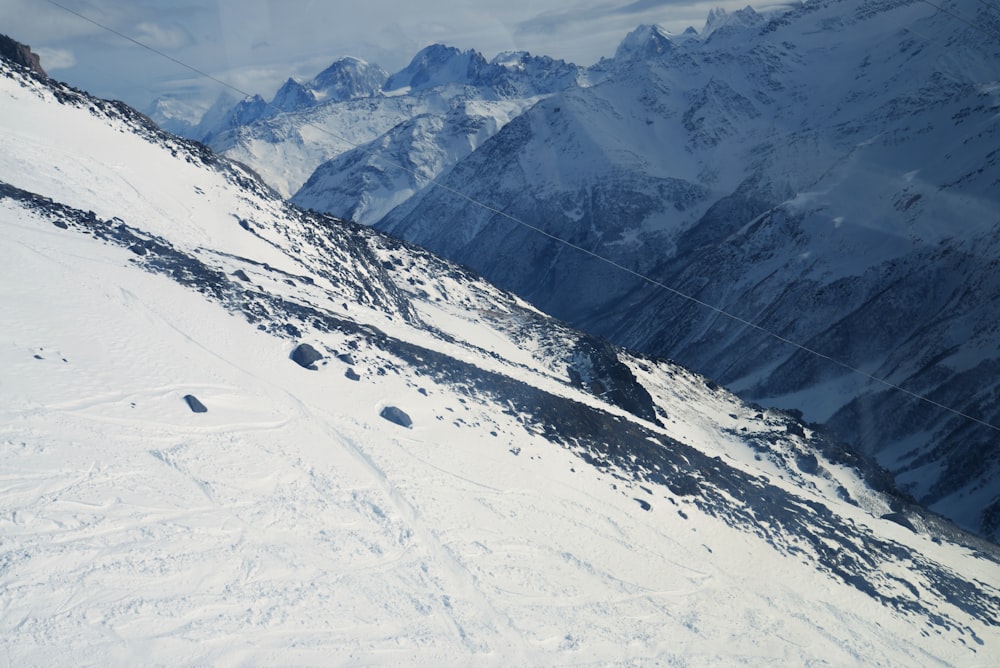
(194, 69)
(986, 31)
(642, 277)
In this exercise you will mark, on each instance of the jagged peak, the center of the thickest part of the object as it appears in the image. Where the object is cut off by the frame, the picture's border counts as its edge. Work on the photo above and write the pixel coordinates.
(719, 18)
(348, 78)
(347, 64)
(511, 59)
(292, 95)
(646, 41)
(439, 64)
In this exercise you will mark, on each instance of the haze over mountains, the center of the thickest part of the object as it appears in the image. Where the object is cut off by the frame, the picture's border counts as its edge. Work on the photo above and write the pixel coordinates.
(827, 172)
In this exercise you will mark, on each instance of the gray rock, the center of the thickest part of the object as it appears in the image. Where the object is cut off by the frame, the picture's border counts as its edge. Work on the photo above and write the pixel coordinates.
(306, 356)
(195, 405)
(393, 414)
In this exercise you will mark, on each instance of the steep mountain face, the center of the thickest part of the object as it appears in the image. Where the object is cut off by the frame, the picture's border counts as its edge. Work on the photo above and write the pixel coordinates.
(236, 431)
(828, 173)
(365, 183)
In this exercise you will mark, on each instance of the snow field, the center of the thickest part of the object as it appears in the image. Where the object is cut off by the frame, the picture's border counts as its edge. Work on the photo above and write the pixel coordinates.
(290, 524)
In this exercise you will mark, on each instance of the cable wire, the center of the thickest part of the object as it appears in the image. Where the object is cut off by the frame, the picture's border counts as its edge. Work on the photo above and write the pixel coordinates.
(194, 69)
(642, 277)
(986, 31)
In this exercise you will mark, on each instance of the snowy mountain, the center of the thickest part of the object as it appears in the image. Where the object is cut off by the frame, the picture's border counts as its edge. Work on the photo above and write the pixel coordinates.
(363, 184)
(452, 99)
(828, 172)
(346, 79)
(475, 99)
(238, 432)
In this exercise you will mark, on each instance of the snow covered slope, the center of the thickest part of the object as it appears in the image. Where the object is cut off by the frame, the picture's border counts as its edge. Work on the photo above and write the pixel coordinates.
(452, 478)
(828, 171)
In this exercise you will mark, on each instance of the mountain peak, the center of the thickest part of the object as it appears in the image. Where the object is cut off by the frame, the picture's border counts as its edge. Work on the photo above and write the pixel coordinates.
(292, 95)
(719, 19)
(512, 60)
(646, 41)
(437, 65)
(348, 78)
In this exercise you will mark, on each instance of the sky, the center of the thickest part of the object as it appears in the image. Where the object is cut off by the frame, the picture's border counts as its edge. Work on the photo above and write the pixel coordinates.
(255, 45)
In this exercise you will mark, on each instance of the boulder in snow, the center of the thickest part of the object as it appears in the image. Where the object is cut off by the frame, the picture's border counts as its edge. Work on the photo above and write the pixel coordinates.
(306, 356)
(393, 414)
(195, 405)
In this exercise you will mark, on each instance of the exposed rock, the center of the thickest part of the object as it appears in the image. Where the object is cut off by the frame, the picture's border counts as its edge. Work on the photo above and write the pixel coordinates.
(393, 414)
(351, 374)
(195, 405)
(21, 54)
(306, 356)
(596, 368)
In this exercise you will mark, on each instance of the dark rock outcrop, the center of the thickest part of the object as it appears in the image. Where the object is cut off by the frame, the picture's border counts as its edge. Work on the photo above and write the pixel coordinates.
(21, 54)
(597, 369)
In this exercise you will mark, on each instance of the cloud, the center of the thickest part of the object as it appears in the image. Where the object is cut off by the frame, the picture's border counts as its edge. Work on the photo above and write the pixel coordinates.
(163, 37)
(55, 59)
(631, 14)
(554, 20)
